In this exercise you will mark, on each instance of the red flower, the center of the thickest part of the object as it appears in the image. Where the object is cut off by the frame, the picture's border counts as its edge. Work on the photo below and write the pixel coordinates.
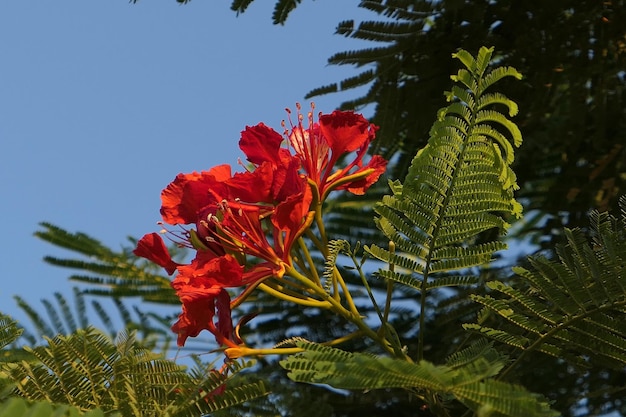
(321, 145)
(200, 287)
(242, 226)
(345, 131)
(189, 193)
(151, 247)
(206, 271)
(241, 231)
(259, 212)
(318, 149)
(262, 144)
(198, 315)
(249, 186)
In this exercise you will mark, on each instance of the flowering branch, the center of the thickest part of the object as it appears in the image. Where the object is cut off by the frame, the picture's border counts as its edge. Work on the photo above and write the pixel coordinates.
(244, 226)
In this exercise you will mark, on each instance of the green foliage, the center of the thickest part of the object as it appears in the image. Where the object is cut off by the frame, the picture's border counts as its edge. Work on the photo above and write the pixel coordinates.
(109, 273)
(573, 54)
(467, 380)
(9, 333)
(282, 8)
(60, 319)
(88, 371)
(9, 330)
(569, 309)
(19, 407)
(573, 308)
(459, 187)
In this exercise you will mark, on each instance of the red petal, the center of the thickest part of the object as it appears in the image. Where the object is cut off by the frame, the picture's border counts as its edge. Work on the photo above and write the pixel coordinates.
(151, 247)
(287, 181)
(261, 144)
(344, 131)
(251, 187)
(224, 319)
(200, 287)
(206, 273)
(358, 187)
(196, 316)
(188, 193)
(289, 214)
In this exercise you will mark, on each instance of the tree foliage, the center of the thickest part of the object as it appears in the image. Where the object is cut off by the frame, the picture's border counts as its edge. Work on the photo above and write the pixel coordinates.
(443, 222)
(89, 372)
(573, 55)
(464, 334)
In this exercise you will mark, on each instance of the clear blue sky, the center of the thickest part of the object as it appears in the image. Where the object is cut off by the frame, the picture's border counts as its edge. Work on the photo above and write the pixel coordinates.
(103, 102)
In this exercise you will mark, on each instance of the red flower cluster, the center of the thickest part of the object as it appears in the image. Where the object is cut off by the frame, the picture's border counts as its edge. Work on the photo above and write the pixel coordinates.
(259, 212)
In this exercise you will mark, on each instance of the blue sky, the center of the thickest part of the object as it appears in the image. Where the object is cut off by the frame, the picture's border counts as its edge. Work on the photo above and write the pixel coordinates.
(102, 103)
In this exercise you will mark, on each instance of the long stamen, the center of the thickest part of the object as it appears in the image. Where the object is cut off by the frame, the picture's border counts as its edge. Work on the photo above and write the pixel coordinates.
(180, 239)
(244, 234)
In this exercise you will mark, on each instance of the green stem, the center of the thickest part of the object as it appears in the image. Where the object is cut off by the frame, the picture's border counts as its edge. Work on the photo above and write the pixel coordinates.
(392, 267)
(305, 252)
(316, 241)
(336, 306)
(308, 302)
(322, 230)
(338, 278)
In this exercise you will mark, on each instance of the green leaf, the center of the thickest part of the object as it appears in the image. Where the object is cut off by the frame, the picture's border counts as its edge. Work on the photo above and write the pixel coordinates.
(88, 370)
(19, 407)
(9, 330)
(573, 307)
(468, 380)
(458, 187)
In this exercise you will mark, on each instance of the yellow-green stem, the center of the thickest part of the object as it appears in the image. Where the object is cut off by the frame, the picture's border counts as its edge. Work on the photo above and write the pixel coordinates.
(392, 251)
(322, 230)
(316, 241)
(309, 260)
(239, 352)
(346, 292)
(293, 288)
(355, 319)
(308, 302)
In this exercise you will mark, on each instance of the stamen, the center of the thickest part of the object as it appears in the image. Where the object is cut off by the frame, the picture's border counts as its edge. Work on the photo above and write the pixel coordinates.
(180, 239)
(284, 126)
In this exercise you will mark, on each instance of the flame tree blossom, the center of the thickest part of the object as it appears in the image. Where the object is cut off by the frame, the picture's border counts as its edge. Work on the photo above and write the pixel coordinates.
(259, 213)
(200, 287)
(319, 147)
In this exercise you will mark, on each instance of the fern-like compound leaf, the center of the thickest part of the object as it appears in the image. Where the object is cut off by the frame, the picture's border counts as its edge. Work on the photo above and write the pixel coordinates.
(107, 272)
(9, 330)
(87, 370)
(467, 377)
(458, 187)
(572, 307)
